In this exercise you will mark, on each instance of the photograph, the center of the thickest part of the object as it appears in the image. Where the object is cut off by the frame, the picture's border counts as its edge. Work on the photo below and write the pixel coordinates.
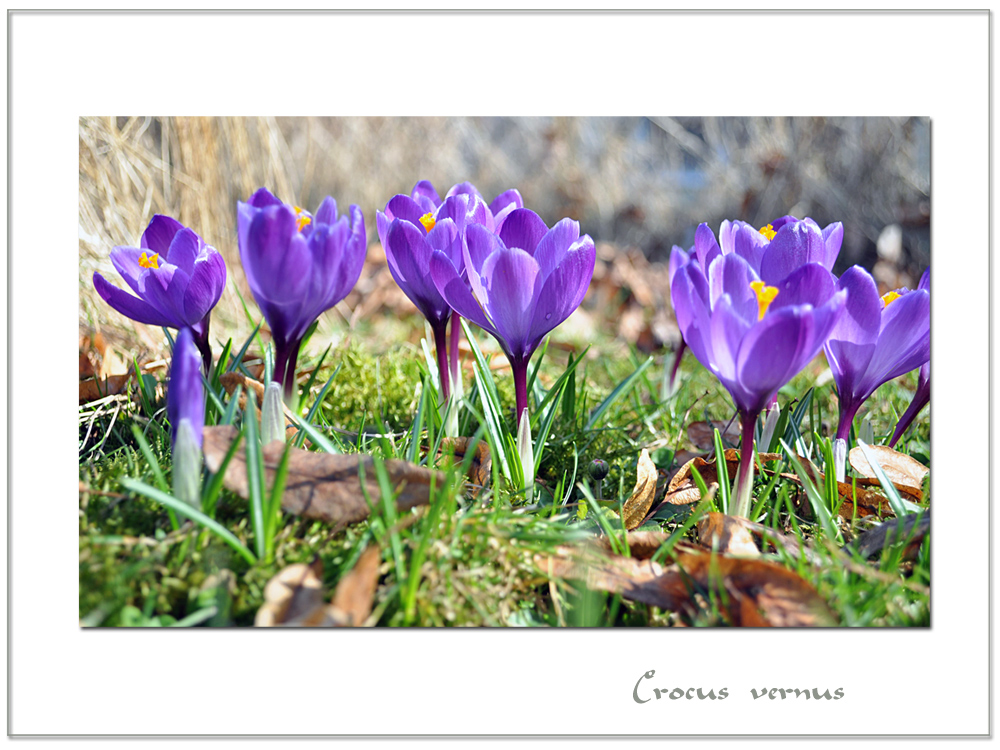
(505, 372)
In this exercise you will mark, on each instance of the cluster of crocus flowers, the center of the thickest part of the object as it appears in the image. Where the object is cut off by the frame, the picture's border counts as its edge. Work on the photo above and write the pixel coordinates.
(298, 265)
(755, 323)
(412, 228)
(801, 308)
(177, 277)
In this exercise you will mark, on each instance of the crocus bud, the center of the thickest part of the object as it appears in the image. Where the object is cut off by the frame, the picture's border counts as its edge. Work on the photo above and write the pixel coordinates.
(770, 423)
(867, 432)
(272, 416)
(526, 451)
(186, 412)
(840, 458)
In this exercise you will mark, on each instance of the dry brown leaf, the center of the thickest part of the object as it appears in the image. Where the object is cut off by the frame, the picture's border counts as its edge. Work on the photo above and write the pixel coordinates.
(682, 490)
(702, 434)
(352, 601)
(749, 593)
(905, 472)
(727, 535)
(294, 597)
(875, 539)
(93, 389)
(481, 468)
(868, 503)
(321, 485)
(641, 500)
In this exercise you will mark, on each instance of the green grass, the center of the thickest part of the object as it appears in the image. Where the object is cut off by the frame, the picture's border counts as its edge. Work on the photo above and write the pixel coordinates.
(463, 560)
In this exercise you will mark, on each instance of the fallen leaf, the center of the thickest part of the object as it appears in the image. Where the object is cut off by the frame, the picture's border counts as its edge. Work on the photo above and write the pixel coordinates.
(352, 601)
(748, 593)
(294, 597)
(727, 535)
(682, 490)
(323, 486)
(93, 389)
(481, 468)
(875, 539)
(905, 472)
(702, 434)
(641, 500)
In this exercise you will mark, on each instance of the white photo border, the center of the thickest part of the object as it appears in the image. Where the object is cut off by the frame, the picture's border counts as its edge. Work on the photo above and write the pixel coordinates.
(65, 680)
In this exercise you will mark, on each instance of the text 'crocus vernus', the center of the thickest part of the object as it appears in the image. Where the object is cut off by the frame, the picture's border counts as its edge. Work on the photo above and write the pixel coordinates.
(177, 277)
(754, 334)
(521, 283)
(298, 265)
(412, 228)
(186, 412)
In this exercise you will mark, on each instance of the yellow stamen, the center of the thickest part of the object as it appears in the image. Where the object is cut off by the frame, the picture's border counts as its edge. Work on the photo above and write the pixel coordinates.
(890, 297)
(428, 221)
(768, 232)
(302, 219)
(765, 296)
(152, 261)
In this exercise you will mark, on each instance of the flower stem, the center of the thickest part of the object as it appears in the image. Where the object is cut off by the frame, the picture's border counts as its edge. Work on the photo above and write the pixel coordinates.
(456, 336)
(743, 494)
(441, 346)
(848, 410)
(520, 369)
(677, 364)
(288, 377)
(201, 341)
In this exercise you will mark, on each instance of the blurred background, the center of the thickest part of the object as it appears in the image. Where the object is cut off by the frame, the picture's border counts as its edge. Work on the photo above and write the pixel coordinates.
(637, 185)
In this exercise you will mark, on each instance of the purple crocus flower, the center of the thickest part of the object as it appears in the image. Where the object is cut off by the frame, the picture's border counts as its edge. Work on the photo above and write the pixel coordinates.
(298, 265)
(185, 393)
(753, 336)
(922, 396)
(412, 227)
(773, 251)
(177, 277)
(521, 283)
(877, 339)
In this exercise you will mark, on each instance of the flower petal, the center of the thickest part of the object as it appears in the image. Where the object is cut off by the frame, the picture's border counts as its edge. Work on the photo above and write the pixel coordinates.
(404, 207)
(564, 287)
(133, 307)
(277, 260)
(456, 292)
(409, 254)
(327, 212)
(208, 279)
(513, 281)
(794, 245)
(810, 284)
(159, 234)
(852, 341)
(263, 198)
(523, 229)
(705, 246)
(555, 244)
(904, 340)
(425, 196)
(730, 274)
(184, 249)
(126, 262)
